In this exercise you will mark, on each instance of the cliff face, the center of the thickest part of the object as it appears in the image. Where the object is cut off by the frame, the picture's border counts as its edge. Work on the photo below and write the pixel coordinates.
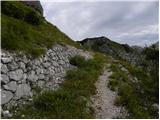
(35, 4)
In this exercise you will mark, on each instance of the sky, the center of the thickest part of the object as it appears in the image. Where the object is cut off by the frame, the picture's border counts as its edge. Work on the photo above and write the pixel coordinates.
(131, 22)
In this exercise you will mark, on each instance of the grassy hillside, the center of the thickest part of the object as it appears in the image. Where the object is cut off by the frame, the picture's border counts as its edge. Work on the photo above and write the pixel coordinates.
(136, 95)
(24, 29)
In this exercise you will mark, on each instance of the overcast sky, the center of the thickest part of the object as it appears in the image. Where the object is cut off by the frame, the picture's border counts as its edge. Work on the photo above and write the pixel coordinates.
(134, 23)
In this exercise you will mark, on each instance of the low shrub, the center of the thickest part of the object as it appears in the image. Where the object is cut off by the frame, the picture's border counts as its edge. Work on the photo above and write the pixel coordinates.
(11, 10)
(78, 61)
(113, 84)
(36, 52)
(17, 10)
(33, 18)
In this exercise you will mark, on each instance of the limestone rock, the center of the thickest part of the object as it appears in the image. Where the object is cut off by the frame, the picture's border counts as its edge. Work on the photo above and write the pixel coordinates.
(32, 76)
(6, 96)
(47, 64)
(16, 75)
(23, 90)
(6, 59)
(12, 66)
(55, 64)
(6, 114)
(124, 70)
(41, 83)
(4, 68)
(4, 78)
(156, 106)
(22, 65)
(11, 86)
(41, 77)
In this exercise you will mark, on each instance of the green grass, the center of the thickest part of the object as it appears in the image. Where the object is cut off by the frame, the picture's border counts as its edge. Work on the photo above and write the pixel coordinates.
(130, 95)
(19, 35)
(71, 99)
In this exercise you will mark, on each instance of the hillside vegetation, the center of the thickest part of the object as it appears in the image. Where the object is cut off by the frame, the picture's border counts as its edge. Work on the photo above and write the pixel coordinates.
(135, 76)
(72, 98)
(26, 30)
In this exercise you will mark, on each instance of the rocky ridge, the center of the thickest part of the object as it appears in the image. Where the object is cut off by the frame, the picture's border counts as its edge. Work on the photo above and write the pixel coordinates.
(106, 46)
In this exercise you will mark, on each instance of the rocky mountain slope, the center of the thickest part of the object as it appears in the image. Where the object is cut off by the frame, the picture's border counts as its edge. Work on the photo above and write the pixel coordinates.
(105, 45)
(45, 74)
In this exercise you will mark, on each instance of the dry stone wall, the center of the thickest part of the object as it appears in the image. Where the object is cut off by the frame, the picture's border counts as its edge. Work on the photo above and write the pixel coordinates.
(20, 74)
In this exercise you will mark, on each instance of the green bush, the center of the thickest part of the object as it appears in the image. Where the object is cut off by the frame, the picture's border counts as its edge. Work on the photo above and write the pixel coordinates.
(33, 18)
(17, 10)
(36, 52)
(119, 101)
(78, 61)
(113, 84)
(11, 10)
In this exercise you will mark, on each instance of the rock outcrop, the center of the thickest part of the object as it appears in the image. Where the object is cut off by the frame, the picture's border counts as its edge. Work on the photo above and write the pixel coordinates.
(21, 74)
(35, 4)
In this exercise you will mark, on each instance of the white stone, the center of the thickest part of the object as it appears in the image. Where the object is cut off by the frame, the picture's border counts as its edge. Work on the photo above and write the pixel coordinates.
(6, 96)
(23, 90)
(41, 83)
(55, 64)
(22, 65)
(6, 60)
(32, 76)
(11, 86)
(38, 71)
(16, 75)
(4, 78)
(46, 65)
(41, 77)
(12, 66)
(6, 114)
(4, 68)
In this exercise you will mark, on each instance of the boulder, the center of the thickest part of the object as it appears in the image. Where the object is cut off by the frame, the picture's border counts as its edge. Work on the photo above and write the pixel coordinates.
(6, 96)
(4, 78)
(16, 75)
(6, 59)
(32, 76)
(12, 66)
(11, 86)
(6, 114)
(41, 77)
(4, 68)
(22, 65)
(23, 90)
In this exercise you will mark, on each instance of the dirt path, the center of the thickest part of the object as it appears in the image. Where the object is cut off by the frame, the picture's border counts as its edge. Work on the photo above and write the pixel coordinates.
(103, 101)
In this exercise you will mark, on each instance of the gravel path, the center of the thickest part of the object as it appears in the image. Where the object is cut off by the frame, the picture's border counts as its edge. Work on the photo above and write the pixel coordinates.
(103, 101)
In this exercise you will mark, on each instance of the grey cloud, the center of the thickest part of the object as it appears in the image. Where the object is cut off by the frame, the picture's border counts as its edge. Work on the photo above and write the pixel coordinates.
(119, 21)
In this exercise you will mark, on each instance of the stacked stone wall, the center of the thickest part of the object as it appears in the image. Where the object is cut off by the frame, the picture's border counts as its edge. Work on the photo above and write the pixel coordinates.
(20, 74)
